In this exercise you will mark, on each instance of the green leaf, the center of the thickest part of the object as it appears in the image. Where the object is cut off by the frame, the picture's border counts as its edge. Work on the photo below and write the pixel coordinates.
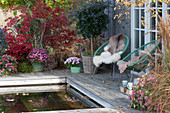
(15, 13)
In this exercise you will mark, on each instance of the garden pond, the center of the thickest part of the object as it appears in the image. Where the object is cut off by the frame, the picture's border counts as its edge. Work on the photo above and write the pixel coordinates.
(43, 101)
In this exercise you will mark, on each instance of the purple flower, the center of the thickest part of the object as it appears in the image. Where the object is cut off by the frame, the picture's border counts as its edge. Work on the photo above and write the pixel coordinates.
(72, 62)
(133, 96)
(38, 55)
(146, 104)
(140, 98)
(7, 64)
(146, 97)
(131, 101)
(139, 92)
(129, 96)
(140, 102)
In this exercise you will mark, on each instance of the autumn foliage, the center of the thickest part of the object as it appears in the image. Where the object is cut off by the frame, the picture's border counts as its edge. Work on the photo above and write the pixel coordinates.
(38, 27)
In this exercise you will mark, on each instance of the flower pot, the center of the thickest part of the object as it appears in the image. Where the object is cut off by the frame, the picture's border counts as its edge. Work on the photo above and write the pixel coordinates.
(75, 69)
(38, 66)
(88, 65)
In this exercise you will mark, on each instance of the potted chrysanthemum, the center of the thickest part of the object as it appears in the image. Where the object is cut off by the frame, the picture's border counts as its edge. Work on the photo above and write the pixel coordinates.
(38, 57)
(74, 64)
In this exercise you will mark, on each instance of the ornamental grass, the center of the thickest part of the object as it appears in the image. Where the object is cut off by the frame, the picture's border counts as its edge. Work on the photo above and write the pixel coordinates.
(160, 90)
(152, 93)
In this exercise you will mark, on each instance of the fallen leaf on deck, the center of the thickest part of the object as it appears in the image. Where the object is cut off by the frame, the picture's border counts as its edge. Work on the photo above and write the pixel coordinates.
(84, 97)
(68, 86)
(120, 111)
(108, 85)
(120, 106)
(123, 104)
(97, 94)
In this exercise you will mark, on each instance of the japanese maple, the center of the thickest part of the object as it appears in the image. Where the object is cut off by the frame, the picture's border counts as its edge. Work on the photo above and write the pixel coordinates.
(38, 27)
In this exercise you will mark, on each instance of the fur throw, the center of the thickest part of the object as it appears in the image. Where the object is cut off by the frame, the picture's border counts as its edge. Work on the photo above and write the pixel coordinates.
(106, 58)
(116, 44)
(123, 65)
(112, 51)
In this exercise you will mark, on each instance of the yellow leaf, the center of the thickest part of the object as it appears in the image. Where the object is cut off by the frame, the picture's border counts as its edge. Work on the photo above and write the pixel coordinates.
(114, 8)
(115, 16)
(117, 1)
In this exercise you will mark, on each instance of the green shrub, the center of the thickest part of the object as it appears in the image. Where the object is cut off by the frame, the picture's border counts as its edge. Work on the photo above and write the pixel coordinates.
(86, 53)
(25, 67)
(91, 18)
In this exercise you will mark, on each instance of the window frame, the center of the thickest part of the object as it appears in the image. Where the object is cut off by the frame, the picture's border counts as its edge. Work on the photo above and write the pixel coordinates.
(147, 28)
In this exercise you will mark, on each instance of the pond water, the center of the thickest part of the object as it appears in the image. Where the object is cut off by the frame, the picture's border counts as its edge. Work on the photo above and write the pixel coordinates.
(46, 101)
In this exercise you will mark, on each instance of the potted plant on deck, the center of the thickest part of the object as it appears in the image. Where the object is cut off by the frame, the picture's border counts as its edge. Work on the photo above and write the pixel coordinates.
(74, 64)
(91, 21)
(38, 57)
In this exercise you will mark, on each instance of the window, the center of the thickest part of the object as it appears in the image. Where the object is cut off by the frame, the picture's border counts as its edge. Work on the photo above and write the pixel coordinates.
(144, 22)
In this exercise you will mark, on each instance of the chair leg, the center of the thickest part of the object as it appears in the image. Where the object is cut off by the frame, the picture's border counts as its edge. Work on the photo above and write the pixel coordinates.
(111, 70)
(94, 72)
(131, 77)
(120, 79)
(113, 73)
(127, 75)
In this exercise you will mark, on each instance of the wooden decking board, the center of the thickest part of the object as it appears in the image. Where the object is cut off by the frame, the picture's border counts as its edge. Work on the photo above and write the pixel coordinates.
(31, 82)
(28, 77)
(29, 89)
(90, 94)
(93, 110)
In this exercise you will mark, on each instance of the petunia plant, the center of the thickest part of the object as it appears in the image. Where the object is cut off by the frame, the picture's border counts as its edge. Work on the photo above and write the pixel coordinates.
(38, 56)
(8, 65)
(73, 62)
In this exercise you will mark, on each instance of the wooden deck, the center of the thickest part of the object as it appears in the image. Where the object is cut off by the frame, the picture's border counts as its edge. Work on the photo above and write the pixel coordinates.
(102, 85)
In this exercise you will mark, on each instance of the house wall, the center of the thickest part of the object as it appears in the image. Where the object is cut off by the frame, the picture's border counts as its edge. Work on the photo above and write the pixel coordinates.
(4, 16)
(115, 28)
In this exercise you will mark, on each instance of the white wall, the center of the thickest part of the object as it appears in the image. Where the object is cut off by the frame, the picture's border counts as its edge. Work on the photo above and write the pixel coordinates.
(4, 16)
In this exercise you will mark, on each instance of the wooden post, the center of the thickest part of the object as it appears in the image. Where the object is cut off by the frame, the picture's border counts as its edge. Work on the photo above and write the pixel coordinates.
(91, 46)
